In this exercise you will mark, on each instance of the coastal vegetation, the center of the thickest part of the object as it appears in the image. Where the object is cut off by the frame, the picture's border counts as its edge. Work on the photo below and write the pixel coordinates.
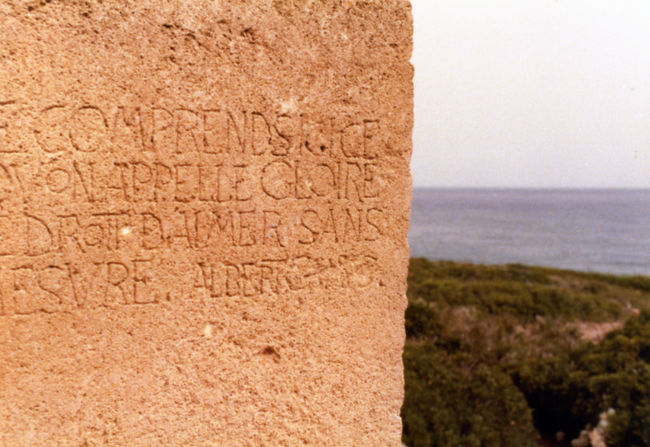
(525, 356)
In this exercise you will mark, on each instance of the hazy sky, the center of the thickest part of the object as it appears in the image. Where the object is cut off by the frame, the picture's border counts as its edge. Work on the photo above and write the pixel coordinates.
(541, 93)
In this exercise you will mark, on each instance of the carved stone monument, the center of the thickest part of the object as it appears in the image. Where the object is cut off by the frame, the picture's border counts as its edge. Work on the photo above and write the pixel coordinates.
(203, 218)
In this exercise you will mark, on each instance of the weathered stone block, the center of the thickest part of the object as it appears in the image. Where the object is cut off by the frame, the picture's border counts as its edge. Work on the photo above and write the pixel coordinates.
(203, 218)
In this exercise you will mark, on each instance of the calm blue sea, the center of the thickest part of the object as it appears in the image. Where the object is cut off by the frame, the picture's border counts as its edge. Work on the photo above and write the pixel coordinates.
(593, 230)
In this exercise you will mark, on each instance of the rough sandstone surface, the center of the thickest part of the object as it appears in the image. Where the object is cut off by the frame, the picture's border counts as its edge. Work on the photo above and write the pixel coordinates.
(203, 218)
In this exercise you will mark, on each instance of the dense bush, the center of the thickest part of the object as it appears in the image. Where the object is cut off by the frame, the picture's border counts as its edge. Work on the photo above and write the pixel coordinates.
(422, 321)
(525, 292)
(487, 346)
(568, 391)
(447, 407)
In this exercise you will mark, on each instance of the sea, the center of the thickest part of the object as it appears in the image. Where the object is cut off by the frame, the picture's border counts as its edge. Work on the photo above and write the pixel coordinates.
(598, 230)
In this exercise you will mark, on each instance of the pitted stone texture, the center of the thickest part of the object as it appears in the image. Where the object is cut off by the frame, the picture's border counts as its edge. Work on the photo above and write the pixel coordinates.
(203, 218)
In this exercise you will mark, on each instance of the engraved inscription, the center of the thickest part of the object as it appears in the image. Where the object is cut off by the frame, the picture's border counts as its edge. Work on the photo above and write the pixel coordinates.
(121, 189)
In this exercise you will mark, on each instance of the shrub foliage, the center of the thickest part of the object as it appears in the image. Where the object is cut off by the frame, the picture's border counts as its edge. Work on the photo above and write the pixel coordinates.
(493, 357)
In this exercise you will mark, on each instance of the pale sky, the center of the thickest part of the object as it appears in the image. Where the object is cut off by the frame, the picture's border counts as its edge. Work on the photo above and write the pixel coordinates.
(532, 93)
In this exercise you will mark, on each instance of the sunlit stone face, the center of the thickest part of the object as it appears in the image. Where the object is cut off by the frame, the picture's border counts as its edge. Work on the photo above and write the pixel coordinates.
(203, 217)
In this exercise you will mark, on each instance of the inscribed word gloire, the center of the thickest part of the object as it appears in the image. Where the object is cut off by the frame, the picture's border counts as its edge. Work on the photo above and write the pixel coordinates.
(203, 218)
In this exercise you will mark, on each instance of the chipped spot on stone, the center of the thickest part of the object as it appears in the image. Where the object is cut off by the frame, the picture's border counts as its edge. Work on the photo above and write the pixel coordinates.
(207, 331)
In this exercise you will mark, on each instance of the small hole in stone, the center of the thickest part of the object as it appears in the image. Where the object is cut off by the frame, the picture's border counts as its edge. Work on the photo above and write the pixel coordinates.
(270, 350)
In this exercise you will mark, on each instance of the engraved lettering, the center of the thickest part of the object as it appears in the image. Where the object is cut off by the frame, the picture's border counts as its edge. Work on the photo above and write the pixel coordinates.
(50, 131)
(88, 130)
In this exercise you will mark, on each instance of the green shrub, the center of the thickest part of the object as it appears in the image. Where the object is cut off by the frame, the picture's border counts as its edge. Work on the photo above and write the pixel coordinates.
(569, 391)
(525, 292)
(447, 407)
(422, 321)
(489, 345)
